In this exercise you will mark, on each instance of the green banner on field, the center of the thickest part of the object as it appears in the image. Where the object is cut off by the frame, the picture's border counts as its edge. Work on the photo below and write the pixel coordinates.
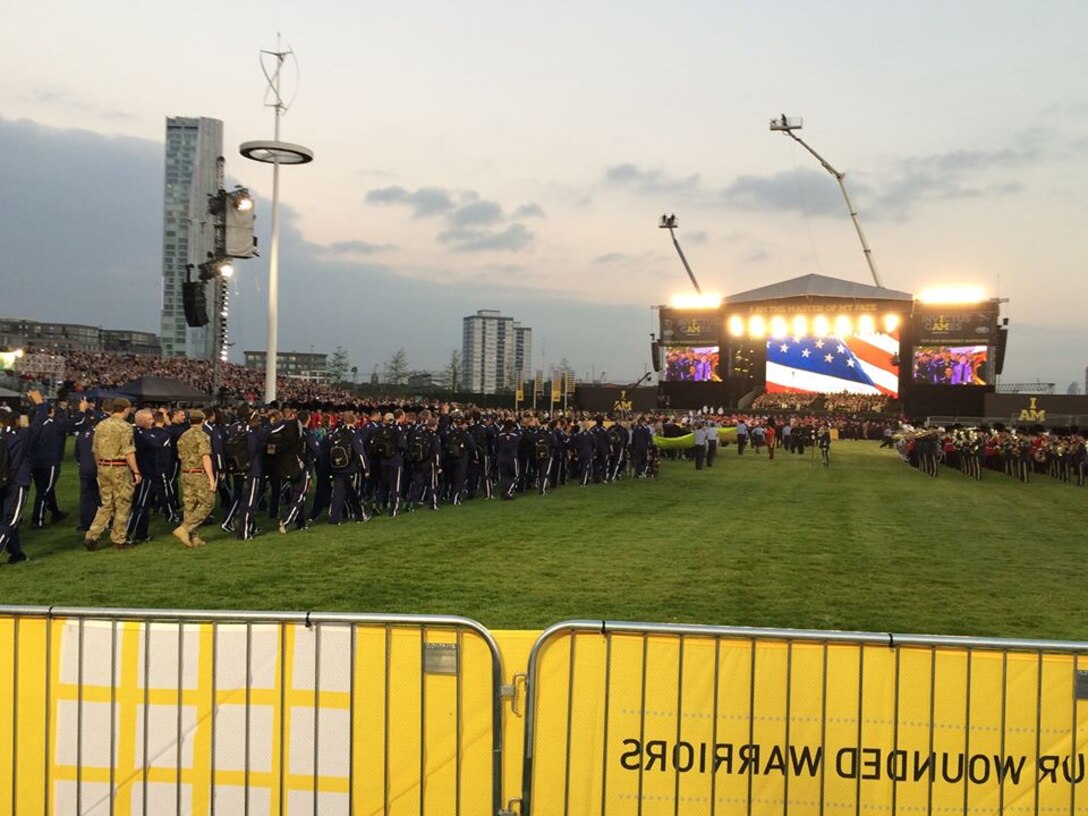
(688, 441)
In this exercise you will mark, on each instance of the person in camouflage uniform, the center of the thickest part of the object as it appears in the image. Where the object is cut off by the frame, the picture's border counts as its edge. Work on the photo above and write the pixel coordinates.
(115, 452)
(197, 480)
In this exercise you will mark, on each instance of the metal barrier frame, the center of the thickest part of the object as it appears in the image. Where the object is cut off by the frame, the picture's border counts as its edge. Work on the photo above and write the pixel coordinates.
(607, 628)
(216, 617)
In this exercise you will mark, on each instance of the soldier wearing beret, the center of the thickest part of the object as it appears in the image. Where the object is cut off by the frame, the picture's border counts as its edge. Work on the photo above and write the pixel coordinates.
(115, 452)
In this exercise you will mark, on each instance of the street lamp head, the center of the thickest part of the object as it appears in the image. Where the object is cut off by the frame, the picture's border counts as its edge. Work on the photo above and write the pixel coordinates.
(275, 152)
(668, 222)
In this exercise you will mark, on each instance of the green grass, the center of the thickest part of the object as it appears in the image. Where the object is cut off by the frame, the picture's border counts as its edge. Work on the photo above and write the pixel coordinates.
(869, 544)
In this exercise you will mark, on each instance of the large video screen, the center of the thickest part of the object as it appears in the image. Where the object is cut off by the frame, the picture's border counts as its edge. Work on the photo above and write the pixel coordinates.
(951, 365)
(692, 364)
(865, 364)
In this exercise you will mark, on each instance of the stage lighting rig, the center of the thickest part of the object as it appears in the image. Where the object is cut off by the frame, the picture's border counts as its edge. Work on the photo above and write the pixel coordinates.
(787, 124)
(669, 222)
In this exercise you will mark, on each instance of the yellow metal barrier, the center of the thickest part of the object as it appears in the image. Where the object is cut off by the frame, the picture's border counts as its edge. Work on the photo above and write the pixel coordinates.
(645, 719)
(156, 712)
(145, 712)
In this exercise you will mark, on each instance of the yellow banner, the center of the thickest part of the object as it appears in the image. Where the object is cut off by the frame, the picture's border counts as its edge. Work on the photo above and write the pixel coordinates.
(134, 717)
(644, 724)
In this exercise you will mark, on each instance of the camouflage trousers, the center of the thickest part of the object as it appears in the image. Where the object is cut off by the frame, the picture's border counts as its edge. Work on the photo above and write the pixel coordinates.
(197, 500)
(115, 488)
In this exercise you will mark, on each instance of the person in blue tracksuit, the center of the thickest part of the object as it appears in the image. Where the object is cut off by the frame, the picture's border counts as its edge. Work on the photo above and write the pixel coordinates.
(45, 456)
(17, 442)
(88, 473)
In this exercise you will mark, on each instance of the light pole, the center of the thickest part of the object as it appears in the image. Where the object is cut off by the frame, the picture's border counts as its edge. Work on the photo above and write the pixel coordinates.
(669, 222)
(788, 124)
(275, 153)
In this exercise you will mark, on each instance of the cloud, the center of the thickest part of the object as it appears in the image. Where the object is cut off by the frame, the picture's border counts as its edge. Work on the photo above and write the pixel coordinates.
(424, 201)
(529, 211)
(478, 212)
(63, 98)
(954, 175)
(806, 191)
(699, 237)
(611, 257)
(515, 238)
(356, 248)
(649, 181)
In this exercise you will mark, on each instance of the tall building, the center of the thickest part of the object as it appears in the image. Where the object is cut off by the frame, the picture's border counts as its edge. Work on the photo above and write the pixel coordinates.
(193, 149)
(493, 350)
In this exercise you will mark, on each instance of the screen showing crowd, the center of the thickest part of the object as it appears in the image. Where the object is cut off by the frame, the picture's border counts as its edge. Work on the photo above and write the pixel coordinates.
(951, 365)
(692, 364)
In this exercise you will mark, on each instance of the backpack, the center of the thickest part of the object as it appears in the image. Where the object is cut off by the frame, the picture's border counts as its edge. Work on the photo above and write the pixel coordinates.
(340, 448)
(383, 442)
(455, 444)
(236, 449)
(542, 449)
(420, 446)
(479, 433)
(7, 472)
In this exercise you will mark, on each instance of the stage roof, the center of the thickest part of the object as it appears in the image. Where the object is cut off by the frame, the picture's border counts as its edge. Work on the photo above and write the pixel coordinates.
(818, 286)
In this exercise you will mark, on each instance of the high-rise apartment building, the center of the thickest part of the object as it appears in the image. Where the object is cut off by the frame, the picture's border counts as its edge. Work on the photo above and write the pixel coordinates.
(493, 350)
(193, 149)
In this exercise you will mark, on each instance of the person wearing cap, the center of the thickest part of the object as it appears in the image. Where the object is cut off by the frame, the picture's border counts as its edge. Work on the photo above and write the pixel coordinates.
(118, 474)
(197, 480)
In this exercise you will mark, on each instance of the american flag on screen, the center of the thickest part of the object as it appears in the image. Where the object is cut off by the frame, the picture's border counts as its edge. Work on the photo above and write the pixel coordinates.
(859, 364)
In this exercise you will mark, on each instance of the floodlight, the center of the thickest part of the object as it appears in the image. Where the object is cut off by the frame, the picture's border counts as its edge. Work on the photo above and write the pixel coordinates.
(711, 300)
(866, 324)
(736, 326)
(225, 269)
(952, 295)
(821, 326)
(843, 326)
(800, 326)
(891, 322)
(757, 326)
(779, 327)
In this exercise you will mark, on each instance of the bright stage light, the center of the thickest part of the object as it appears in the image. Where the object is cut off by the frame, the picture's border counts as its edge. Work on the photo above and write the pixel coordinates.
(779, 327)
(821, 326)
(866, 324)
(952, 295)
(843, 326)
(736, 326)
(757, 327)
(800, 326)
(891, 322)
(710, 300)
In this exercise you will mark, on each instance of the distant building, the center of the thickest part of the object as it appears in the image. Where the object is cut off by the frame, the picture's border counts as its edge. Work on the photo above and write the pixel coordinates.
(494, 349)
(64, 338)
(299, 364)
(193, 148)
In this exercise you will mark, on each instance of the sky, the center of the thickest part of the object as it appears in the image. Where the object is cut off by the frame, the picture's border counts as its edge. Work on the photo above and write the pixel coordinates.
(517, 156)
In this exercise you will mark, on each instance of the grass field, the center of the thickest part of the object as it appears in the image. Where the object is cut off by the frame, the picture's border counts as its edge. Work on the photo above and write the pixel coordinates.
(869, 544)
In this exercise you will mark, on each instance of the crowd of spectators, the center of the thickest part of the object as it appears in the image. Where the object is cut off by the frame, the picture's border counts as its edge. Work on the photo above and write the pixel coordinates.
(88, 370)
(856, 403)
(783, 401)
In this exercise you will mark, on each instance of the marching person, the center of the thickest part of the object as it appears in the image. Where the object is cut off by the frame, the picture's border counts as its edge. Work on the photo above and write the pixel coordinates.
(17, 442)
(197, 480)
(118, 475)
